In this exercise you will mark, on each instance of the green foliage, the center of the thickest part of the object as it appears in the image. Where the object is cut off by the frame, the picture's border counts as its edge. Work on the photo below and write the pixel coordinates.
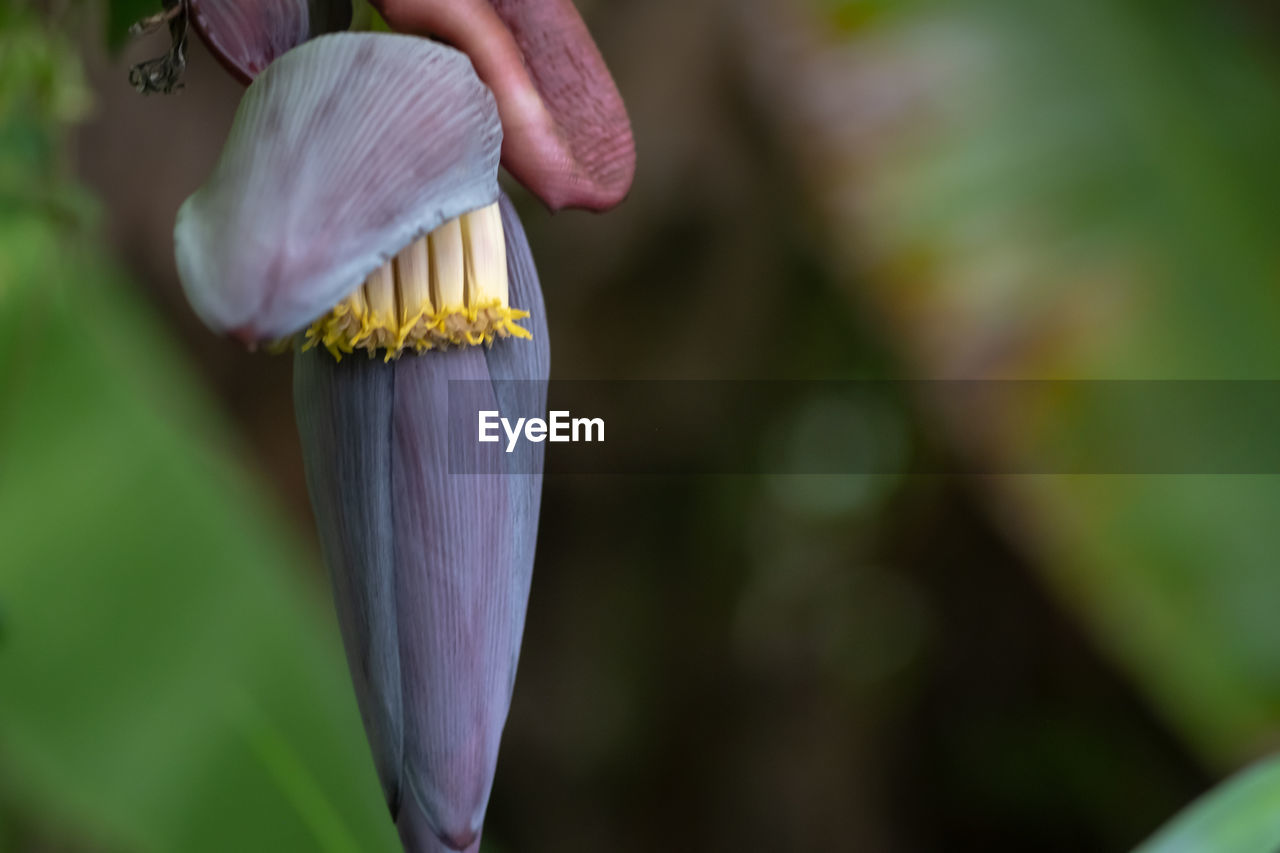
(365, 17)
(41, 89)
(172, 676)
(1093, 194)
(1240, 816)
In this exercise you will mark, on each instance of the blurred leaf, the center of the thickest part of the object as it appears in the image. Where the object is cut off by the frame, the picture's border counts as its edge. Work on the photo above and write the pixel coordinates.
(1085, 190)
(40, 72)
(172, 677)
(365, 17)
(851, 15)
(1242, 815)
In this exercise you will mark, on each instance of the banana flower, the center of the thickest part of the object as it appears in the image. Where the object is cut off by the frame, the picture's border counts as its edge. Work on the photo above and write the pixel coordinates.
(355, 212)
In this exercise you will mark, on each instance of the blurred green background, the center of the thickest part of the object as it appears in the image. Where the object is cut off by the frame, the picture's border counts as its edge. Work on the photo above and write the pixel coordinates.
(827, 189)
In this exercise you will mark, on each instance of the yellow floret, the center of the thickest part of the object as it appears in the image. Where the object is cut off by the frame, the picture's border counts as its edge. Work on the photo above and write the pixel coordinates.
(447, 288)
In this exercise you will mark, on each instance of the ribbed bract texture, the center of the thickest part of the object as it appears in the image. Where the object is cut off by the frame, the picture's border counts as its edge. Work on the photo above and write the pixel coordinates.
(342, 152)
(568, 136)
(247, 35)
(589, 160)
(431, 567)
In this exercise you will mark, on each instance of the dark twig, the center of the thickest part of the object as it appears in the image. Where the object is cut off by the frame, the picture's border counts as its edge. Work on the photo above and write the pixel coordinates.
(164, 73)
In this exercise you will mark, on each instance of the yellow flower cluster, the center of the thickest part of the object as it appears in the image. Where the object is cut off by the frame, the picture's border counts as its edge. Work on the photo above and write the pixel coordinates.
(447, 288)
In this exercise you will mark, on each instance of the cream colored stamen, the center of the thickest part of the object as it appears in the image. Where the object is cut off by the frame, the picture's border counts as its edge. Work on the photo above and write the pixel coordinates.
(447, 288)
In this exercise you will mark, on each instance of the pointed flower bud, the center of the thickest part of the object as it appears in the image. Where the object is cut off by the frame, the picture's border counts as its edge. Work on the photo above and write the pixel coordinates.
(430, 568)
(356, 203)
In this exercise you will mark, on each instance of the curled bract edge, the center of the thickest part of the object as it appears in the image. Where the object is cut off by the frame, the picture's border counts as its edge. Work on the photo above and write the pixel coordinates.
(246, 37)
(342, 152)
(568, 137)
